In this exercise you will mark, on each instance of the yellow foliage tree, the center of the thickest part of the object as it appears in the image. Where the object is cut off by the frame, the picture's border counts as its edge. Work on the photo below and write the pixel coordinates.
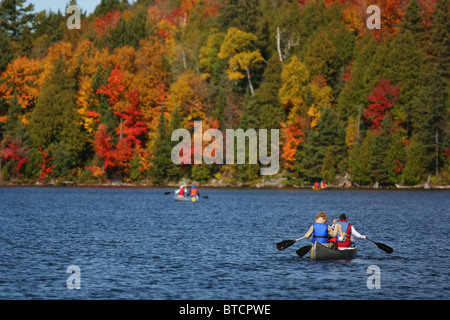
(322, 95)
(238, 47)
(295, 79)
(60, 49)
(188, 94)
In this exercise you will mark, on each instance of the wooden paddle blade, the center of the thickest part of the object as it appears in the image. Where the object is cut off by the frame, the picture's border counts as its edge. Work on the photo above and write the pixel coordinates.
(285, 244)
(303, 250)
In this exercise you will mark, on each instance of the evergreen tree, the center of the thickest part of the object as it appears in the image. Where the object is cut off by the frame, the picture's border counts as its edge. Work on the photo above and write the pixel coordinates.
(54, 123)
(264, 109)
(403, 69)
(354, 95)
(13, 125)
(360, 159)
(378, 165)
(106, 6)
(49, 27)
(329, 166)
(413, 21)
(129, 33)
(6, 52)
(161, 162)
(395, 157)
(174, 172)
(439, 43)
(430, 121)
(14, 17)
(413, 172)
(322, 56)
(328, 140)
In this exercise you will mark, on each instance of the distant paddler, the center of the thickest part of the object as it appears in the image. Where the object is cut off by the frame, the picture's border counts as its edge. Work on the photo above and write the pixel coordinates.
(181, 191)
(194, 191)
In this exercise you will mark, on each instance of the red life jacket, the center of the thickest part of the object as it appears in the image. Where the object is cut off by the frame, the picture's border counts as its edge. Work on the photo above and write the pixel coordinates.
(181, 193)
(347, 230)
(193, 192)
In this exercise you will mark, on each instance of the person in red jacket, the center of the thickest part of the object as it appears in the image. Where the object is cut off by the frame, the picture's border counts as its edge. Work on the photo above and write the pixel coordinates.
(181, 191)
(346, 231)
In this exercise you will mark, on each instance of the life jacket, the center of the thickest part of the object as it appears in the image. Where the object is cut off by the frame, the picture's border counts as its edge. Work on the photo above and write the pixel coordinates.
(193, 192)
(181, 193)
(347, 230)
(320, 233)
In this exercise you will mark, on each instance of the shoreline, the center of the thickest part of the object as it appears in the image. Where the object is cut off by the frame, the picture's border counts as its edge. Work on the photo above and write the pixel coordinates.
(267, 186)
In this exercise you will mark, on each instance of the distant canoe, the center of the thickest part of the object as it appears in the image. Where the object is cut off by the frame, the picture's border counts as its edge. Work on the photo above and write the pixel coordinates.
(318, 189)
(320, 252)
(185, 198)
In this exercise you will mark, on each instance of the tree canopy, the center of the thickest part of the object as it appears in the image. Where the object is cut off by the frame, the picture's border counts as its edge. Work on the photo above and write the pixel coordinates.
(100, 103)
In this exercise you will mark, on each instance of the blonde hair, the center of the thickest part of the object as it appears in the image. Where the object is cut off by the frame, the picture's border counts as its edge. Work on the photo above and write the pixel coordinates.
(322, 215)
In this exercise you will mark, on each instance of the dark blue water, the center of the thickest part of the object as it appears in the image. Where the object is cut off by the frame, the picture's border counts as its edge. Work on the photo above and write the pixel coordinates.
(141, 244)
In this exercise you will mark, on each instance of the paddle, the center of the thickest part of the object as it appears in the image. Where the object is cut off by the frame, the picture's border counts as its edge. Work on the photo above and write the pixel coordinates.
(382, 246)
(287, 243)
(303, 250)
(168, 192)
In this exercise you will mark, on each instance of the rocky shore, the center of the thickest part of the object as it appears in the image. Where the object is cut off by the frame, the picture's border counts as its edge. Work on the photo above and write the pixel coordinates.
(277, 182)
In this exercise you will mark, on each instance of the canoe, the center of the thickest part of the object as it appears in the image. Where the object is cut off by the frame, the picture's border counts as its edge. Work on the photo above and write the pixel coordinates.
(320, 252)
(185, 198)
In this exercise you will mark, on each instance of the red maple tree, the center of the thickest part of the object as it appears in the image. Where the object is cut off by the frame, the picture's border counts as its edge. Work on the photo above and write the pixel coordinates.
(382, 99)
(45, 160)
(107, 22)
(115, 88)
(15, 151)
(116, 157)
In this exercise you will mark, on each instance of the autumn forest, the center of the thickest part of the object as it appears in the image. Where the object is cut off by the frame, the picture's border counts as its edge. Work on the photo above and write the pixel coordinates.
(99, 103)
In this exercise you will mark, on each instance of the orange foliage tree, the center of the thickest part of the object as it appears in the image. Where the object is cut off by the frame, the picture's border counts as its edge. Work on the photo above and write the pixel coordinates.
(20, 79)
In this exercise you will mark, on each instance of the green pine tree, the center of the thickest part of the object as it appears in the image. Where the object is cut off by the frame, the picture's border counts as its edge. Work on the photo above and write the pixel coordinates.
(360, 159)
(161, 162)
(15, 16)
(413, 21)
(413, 172)
(439, 43)
(378, 168)
(54, 123)
(430, 121)
(329, 137)
(6, 52)
(129, 33)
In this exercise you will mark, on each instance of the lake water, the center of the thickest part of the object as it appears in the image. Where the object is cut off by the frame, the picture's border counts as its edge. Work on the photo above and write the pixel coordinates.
(140, 244)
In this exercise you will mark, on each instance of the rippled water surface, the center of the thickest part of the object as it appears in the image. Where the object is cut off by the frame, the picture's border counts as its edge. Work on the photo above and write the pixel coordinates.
(141, 244)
